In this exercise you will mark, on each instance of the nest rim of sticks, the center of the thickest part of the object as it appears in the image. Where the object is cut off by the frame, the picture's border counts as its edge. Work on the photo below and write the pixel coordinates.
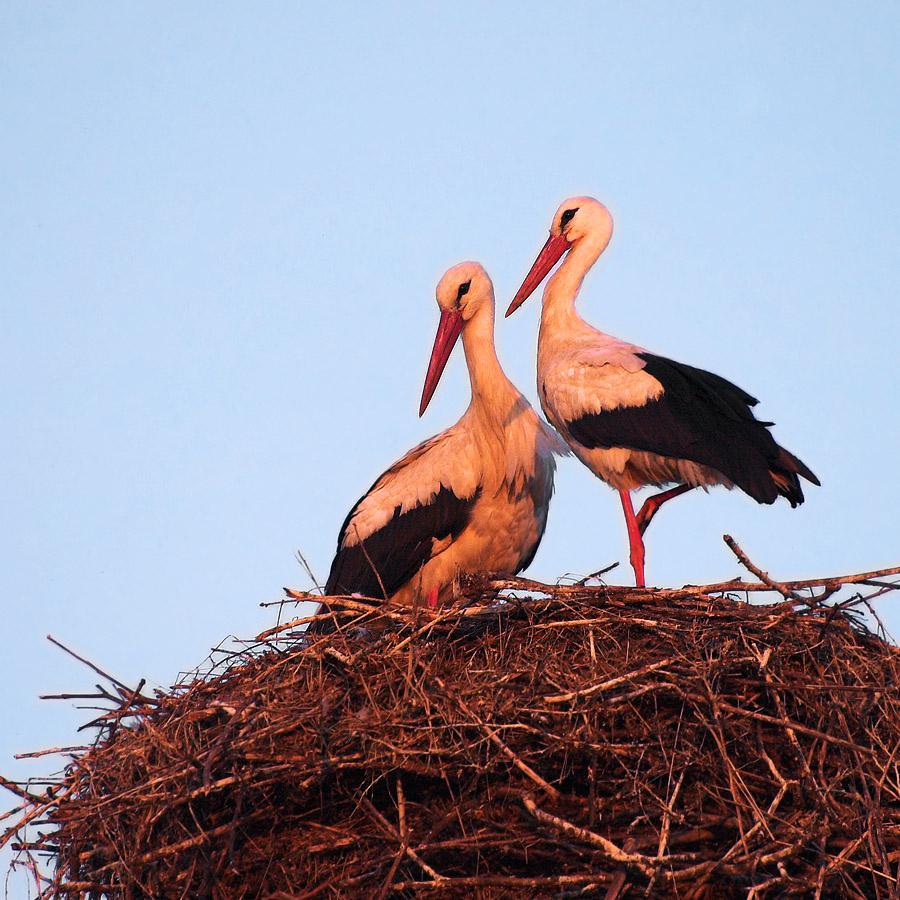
(538, 740)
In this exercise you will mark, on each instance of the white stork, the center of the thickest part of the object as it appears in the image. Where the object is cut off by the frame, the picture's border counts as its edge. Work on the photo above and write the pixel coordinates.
(634, 418)
(473, 498)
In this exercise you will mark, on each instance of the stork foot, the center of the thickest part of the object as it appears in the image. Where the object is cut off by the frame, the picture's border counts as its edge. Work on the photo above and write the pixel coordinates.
(431, 601)
(652, 504)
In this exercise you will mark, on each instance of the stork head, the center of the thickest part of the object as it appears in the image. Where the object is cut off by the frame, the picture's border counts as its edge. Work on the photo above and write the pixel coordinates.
(464, 289)
(579, 222)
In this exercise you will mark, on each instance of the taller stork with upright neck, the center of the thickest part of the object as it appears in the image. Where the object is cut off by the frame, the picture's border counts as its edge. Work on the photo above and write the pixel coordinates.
(474, 498)
(635, 418)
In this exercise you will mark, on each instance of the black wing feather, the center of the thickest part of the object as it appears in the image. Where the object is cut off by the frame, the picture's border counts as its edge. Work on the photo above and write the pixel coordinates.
(386, 560)
(704, 418)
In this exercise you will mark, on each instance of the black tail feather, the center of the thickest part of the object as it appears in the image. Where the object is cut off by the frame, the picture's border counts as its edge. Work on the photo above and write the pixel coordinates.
(785, 470)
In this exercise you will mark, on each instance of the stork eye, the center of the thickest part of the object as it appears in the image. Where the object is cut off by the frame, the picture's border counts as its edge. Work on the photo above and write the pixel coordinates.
(567, 217)
(463, 290)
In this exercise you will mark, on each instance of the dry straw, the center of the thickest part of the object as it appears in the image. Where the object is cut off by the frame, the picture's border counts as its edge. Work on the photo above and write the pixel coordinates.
(533, 742)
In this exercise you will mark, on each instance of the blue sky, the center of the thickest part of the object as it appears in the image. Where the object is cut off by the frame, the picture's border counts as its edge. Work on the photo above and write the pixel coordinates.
(222, 228)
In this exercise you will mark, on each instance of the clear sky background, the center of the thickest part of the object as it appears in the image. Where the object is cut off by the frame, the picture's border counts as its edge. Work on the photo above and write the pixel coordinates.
(221, 226)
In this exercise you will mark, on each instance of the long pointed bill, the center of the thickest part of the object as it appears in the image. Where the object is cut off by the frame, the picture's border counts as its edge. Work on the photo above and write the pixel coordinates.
(547, 259)
(448, 332)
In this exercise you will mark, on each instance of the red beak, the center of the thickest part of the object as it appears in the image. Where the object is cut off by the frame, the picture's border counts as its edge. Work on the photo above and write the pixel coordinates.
(547, 259)
(449, 329)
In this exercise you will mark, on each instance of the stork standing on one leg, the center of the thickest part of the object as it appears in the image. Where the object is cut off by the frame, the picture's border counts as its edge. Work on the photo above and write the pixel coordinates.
(634, 418)
(473, 498)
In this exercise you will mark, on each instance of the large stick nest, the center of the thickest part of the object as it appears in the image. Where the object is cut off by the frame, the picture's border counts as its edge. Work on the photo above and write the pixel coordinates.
(577, 741)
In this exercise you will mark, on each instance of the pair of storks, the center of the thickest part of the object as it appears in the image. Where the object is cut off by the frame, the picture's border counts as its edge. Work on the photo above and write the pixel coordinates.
(474, 498)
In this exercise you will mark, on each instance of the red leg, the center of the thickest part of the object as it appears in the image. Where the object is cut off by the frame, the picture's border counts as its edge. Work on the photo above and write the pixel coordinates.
(652, 504)
(432, 600)
(634, 539)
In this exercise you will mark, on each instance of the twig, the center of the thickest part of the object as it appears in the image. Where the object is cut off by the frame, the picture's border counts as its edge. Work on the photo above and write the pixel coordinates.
(90, 665)
(644, 864)
(611, 683)
(621, 876)
(508, 881)
(285, 626)
(597, 574)
(302, 560)
(404, 836)
(51, 751)
(435, 876)
(790, 726)
(522, 766)
(34, 813)
(736, 584)
(762, 576)
(20, 791)
(667, 817)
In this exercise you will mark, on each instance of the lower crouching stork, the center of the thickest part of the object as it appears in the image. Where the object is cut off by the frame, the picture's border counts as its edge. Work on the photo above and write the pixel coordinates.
(473, 498)
(634, 418)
